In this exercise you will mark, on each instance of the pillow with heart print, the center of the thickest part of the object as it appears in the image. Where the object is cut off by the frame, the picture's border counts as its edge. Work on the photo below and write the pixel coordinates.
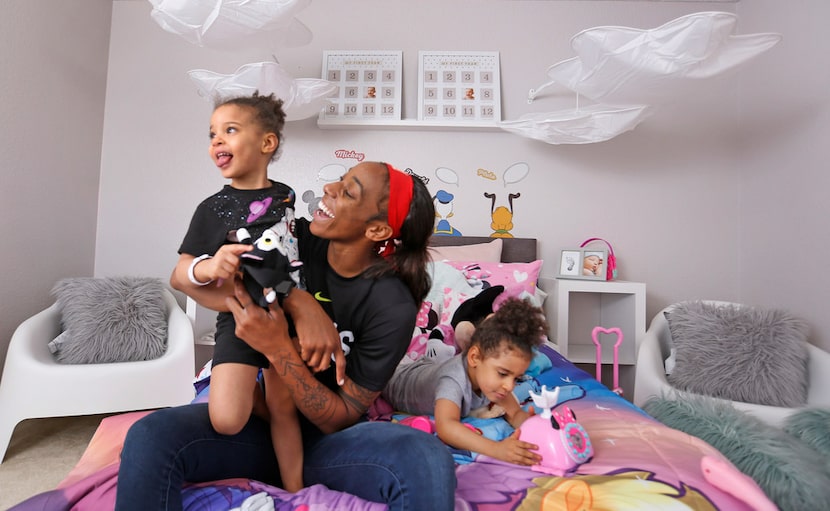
(519, 279)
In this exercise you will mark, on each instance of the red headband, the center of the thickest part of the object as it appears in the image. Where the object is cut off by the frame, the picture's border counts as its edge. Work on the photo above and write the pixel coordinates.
(400, 198)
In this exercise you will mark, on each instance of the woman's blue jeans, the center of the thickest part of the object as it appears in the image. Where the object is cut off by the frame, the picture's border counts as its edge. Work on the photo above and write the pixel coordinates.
(378, 461)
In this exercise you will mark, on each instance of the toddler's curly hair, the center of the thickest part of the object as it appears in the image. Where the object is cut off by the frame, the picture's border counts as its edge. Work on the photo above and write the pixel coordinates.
(517, 323)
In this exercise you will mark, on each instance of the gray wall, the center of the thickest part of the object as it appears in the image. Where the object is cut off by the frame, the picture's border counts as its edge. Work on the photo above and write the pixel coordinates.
(53, 70)
(703, 200)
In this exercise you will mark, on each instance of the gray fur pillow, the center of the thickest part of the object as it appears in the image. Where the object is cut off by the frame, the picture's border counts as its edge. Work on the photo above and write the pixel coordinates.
(739, 353)
(112, 319)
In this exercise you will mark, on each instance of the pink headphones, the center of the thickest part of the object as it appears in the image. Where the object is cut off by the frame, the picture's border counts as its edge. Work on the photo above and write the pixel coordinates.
(612, 261)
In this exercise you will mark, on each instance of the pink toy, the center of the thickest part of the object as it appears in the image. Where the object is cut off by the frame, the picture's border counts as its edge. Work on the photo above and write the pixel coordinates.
(729, 479)
(427, 424)
(563, 443)
(594, 333)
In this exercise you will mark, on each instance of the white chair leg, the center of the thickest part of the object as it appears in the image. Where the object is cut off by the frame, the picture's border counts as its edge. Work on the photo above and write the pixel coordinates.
(7, 425)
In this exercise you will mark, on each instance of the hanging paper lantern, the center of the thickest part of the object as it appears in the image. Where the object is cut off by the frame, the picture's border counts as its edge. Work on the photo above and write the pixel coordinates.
(583, 125)
(627, 71)
(230, 24)
(628, 66)
(302, 97)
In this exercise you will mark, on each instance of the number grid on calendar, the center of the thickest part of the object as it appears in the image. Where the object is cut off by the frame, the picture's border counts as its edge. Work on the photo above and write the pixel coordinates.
(369, 85)
(459, 87)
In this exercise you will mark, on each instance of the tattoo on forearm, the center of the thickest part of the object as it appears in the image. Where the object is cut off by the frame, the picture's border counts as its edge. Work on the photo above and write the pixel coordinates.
(297, 377)
(318, 403)
(353, 402)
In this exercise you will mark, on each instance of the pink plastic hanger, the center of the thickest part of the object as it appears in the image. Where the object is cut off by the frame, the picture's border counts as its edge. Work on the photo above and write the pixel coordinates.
(594, 336)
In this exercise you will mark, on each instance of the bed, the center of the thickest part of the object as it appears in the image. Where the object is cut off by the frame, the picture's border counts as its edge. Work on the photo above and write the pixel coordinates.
(637, 462)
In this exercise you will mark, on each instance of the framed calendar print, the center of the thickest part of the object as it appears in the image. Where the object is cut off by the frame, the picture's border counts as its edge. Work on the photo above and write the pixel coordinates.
(457, 88)
(369, 86)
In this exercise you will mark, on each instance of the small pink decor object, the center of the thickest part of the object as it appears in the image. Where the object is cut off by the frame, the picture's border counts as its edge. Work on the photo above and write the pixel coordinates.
(611, 272)
(563, 443)
(594, 337)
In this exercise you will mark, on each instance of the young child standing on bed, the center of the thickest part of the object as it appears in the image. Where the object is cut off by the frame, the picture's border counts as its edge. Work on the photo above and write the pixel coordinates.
(500, 351)
(245, 135)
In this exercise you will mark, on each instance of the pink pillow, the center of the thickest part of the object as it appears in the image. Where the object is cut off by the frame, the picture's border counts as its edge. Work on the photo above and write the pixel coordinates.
(518, 279)
(490, 251)
(456, 281)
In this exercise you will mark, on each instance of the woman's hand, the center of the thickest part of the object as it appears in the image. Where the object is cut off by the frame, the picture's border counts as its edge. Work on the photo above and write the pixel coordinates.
(319, 339)
(265, 330)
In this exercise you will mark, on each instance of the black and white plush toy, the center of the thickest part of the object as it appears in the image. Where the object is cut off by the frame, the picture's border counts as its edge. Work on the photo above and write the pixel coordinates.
(272, 268)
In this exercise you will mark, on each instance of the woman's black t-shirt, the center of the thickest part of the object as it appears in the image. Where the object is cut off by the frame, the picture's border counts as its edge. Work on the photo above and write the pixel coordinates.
(375, 317)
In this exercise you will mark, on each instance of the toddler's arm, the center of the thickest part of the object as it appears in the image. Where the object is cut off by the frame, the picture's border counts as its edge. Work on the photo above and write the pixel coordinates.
(514, 414)
(453, 433)
(214, 273)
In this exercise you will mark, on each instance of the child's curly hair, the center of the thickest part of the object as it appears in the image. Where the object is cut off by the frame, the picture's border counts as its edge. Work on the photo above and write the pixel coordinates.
(517, 323)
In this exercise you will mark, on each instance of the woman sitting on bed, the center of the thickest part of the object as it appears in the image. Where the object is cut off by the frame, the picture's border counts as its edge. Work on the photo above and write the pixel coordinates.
(372, 300)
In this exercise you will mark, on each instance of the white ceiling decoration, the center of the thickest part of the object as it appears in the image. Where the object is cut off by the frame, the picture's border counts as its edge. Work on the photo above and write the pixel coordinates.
(624, 70)
(230, 24)
(302, 97)
(584, 125)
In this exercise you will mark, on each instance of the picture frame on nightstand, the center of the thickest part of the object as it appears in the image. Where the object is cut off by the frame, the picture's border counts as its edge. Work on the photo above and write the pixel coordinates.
(583, 263)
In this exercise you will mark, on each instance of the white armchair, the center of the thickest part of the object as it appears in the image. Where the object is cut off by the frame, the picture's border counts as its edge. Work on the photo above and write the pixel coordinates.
(35, 385)
(650, 380)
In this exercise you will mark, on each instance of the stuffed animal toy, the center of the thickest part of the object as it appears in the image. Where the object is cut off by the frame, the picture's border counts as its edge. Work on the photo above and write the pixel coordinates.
(471, 313)
(271, 269)
(530, 385)
(440, 342)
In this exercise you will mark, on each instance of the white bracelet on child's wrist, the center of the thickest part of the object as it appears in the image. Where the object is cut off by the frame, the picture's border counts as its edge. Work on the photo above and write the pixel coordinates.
(190, 270)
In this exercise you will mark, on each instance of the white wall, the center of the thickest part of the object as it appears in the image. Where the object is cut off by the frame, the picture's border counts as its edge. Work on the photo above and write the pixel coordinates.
(785, 122)
(660, 194)
(699, 201)
(53, 68)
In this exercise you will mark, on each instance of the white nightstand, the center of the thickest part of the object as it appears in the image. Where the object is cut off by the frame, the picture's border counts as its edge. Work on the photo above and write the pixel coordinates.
(575, 307)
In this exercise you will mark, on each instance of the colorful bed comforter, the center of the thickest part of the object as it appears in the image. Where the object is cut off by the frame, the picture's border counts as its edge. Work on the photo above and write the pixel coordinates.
(638, 464)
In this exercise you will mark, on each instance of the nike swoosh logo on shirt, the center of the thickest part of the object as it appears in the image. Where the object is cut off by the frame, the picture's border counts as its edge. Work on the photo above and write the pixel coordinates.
(320, 298)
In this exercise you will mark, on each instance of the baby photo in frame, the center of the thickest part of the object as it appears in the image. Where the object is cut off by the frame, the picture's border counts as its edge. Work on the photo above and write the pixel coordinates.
(582, 263)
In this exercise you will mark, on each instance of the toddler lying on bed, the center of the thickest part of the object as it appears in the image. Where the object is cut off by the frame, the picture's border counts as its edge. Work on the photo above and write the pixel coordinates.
(500, 351)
